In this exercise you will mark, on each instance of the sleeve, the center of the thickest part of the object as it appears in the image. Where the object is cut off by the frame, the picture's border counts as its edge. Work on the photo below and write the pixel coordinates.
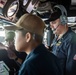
(71, 59)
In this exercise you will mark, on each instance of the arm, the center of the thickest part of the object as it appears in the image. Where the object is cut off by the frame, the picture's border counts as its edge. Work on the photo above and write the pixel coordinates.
(13, 56)
(18, 60)
(71, 59)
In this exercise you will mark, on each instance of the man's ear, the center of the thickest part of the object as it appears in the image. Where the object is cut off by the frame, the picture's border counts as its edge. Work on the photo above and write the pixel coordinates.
(28, 37)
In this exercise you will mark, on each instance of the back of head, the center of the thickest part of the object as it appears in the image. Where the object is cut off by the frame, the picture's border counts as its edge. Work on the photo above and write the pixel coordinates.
(9, 36)
(31, 23)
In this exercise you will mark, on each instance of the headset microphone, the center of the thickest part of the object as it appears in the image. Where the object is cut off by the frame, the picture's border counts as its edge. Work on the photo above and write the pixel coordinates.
(56, 27)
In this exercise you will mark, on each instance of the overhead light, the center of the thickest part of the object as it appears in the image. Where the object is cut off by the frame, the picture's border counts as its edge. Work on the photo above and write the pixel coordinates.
(10, 8)
(71, 19)
(25, 2)
(73, 2)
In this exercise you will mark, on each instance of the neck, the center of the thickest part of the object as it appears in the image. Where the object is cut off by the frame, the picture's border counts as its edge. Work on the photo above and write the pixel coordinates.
(31, 47)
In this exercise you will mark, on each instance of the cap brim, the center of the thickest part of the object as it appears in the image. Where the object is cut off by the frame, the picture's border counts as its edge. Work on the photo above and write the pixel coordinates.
(12, 27)
(47, 21)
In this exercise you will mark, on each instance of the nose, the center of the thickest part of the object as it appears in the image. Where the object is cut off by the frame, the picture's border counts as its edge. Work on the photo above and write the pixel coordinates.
(51, 25)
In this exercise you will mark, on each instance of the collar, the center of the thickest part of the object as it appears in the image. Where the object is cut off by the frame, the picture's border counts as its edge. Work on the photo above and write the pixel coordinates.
(39, 49)
(63, 37)
(66, 34)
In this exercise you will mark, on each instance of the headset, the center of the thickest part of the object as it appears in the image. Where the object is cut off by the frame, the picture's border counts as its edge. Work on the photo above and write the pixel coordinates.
(63, 17)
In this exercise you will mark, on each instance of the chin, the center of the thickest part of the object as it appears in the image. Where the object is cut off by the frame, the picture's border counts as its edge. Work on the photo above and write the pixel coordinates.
(17, 49)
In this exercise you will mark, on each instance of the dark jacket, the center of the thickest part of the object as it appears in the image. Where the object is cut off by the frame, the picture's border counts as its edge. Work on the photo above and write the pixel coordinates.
(40, 62)
(65, 50)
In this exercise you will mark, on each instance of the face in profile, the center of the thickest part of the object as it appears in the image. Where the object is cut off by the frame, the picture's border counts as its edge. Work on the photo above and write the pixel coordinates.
(20, 41)
(56, 26)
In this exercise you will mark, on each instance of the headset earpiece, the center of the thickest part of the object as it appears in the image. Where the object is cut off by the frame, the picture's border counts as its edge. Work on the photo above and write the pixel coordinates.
(63, 17)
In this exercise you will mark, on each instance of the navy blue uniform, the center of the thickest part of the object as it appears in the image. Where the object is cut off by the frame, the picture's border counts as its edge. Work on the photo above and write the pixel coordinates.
(65, 50)
(40, 62)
